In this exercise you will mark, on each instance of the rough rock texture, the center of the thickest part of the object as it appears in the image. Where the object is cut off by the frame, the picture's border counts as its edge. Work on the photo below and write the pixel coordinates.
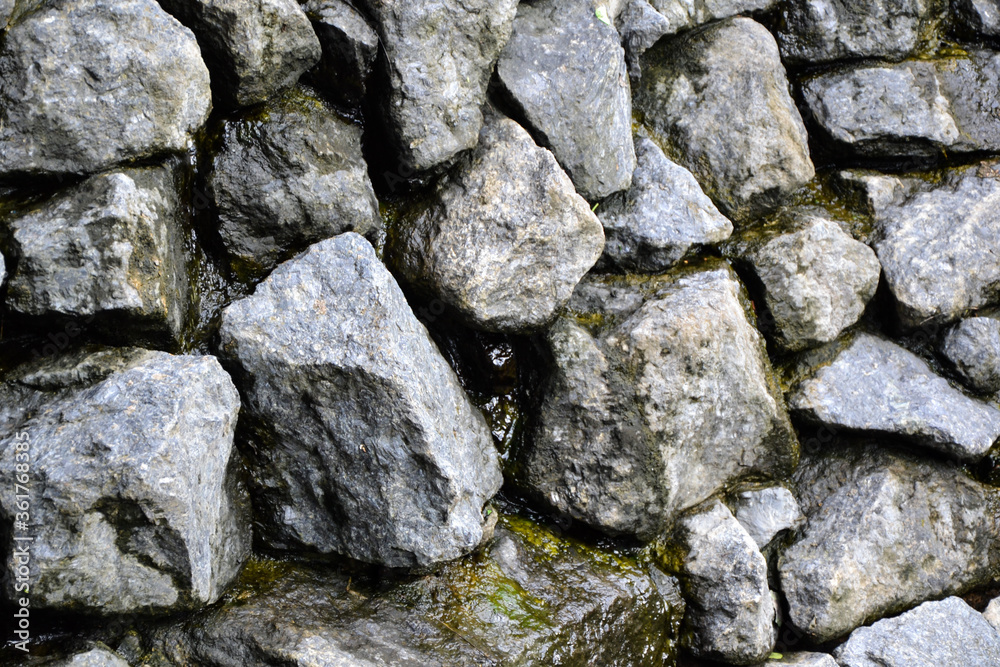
(564, 70)
(505, 238)
(684, 14)
(364, 442)
(110, 248)
(350, 47)
(973, 346)
(135, 504)
(913, 108)
(724, 576)
(640, 27)
(903, 398)
(289, 174)
(661, 217)
(717, 100)
(936, 243)
(666, 400)
(816, 279)
(764, 513)
(948, 632)
(71, 103)
(992, 613)
(440, 56)
(532, 598)
(979, 16)
(820, 31)
(803, 659)
(255, 49)
(885, 531)
(95, 657)
(3, 271)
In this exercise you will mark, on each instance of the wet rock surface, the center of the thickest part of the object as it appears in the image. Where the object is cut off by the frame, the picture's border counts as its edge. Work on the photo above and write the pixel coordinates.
(885, 531)
(730, 612)
(505, 239)
(717, 100)
(636, 412)
(948, 632)
(820, 31)
(905, 399)
(141, 509)
(816, 279)
(254, 49)
(72, 105)
(973, 346)
(662, 216)
(564, 70)
(109, 252)
(364, 444)
(439, 57)
(532, 597)
(288, 175)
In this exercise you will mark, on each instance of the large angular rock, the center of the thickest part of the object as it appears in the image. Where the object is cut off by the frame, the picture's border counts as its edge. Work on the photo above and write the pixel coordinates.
(820, 31)
(685, 14)
(640, 27)
(973, 347)
(133, 491)
(564, 70)
(730, 612)
(992, 613)
(717, 100)
(363, 441)
(935, 242)
(913, 108)
(885, 531)
(290, 174)
(531, 598)
(255, 49)
(947, 632)
(505, 238)
(876, 386)
(979, 16)
(816, 279)
(661, 217)
(73, 104)
(350, 47)
(110, 250)
(667, 398)
(440, 56)
(764, 513)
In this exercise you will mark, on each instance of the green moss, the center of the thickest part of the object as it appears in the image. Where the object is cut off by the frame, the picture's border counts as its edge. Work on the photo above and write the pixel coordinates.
(259, 576)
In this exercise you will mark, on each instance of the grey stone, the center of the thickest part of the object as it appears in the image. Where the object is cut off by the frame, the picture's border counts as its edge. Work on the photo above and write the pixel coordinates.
(730, 613)
(640, 27)
(290, 174)
(992, 613)
(913, 108)
(665, 400)
(821, 31)
(685, 14)
(505, 238)
(936, 244)
(363, 441)
(350, 47)
(662, 216)
(973, 346)
(531, 598)
(6, 13)
(3, 271)
(95, 657)
(564, 70)
(816, 279)
(980, 16)
(716, 99)
(886, 530)
(135, 503)
(255, 49)
(803, 659)
(71, 104)
(440, 56)
(110, 250)
(947, 632)
(764, 513)
(904, 398)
